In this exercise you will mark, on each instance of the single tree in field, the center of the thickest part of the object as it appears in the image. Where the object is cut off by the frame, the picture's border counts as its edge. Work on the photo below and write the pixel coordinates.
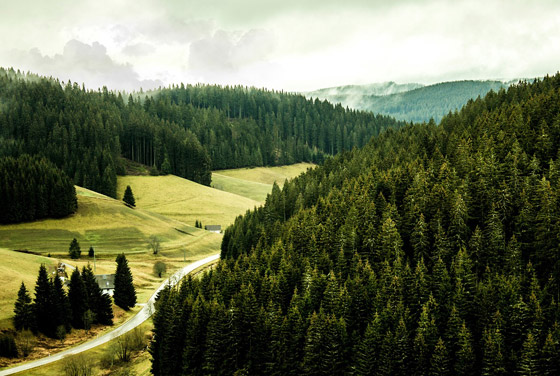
(128, 197)
(74, 251)
(91, 252)
(124, 294)
(23, 310)
(159, 268)
(154, 244)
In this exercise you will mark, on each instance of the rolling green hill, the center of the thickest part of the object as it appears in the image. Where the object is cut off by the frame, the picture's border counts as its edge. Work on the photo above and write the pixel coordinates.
(184, 200)
(256, 183)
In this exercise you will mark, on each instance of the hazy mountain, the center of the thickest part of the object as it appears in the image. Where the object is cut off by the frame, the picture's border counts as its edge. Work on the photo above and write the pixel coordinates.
(410, 102)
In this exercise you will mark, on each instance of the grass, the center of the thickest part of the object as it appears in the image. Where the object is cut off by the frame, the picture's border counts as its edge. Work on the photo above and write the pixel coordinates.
(256, 183)
(15, 268)
(184, 200)
(102, 222)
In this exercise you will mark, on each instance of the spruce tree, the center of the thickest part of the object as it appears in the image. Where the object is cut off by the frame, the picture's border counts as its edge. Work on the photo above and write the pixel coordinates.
(74, 251)
(62, 305)
(124, 294)
(43, 305)
(77, 295)
(23, 310)
(99, 303)
(128, 197)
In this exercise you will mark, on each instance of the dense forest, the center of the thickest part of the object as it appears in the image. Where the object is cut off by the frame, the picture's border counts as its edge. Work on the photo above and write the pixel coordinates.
(432, 250)
(33, 188)
(417, 104)
(183, 130)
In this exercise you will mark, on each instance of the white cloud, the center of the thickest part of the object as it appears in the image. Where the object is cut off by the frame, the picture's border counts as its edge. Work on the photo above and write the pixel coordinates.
(288, 44)
(81, 62)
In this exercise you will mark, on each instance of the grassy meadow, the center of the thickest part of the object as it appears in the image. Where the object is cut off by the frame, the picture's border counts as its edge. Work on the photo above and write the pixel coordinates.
(184, 200)
(256, 183)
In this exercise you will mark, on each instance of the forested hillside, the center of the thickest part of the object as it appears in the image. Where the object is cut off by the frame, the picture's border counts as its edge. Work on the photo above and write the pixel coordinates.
(185, 131)
(416, 104)
(241, 126)
(432, 250)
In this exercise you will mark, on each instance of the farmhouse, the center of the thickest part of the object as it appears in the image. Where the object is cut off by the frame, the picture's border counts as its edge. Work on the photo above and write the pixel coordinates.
(214, 228)
(106, 283)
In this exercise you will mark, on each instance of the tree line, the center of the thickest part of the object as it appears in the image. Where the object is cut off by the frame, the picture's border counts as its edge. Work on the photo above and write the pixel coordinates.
(432, 250)
(33, 188)
(182, 130)
(54, 312)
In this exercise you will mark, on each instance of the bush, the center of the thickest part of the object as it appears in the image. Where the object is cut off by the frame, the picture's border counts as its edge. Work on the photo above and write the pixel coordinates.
(77, 365)
(159, 268)
(8, 346)
(25, 342)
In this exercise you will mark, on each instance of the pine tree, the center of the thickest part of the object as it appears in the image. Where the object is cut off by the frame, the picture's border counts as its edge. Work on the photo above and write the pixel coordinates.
(23, 310)
(528, 364)
(439, 364)
(62, 305)
(91, 252)
(77, 295)
(124, 294)
(43, 304)
(98, 302)
(74, 251)
(128, 197)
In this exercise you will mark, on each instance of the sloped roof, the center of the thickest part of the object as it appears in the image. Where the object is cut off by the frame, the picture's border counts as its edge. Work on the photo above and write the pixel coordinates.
(105, 281)
(213, 227)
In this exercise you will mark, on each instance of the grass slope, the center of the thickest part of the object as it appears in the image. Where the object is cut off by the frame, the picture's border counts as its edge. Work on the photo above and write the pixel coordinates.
(102, 222)
(184, 200)
(15, 268)
(256, 183)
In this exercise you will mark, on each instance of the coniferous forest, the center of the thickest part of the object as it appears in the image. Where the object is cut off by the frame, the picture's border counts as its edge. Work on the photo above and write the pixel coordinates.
(33, 188)
(432, 250)
(186, 131)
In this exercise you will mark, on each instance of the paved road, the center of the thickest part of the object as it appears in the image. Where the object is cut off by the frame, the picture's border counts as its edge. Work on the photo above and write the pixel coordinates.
(136, 320)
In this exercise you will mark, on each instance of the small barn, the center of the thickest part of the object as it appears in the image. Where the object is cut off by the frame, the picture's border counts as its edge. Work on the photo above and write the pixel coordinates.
(106, 283)
(214, 228)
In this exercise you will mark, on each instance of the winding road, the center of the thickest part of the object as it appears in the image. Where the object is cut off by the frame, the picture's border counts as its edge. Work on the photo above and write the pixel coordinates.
(136, 320)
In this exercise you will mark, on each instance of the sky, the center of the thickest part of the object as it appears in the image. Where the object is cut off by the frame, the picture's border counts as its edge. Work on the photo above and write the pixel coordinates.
(291, 45)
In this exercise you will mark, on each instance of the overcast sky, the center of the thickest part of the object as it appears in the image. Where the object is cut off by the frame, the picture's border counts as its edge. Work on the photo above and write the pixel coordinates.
(293, 45)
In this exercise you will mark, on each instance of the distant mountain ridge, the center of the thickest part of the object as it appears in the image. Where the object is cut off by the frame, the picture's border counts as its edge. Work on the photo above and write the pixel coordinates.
(412, 101)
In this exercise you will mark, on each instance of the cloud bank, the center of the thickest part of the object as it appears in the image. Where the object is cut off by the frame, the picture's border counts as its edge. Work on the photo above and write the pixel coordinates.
(289, 44)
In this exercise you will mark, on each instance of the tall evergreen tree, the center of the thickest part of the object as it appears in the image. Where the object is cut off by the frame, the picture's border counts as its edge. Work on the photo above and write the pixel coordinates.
(23, 310)
(62, 305)
(99, 303)
(77, 295)
(43, 307)
(124, 294)
(74, 250)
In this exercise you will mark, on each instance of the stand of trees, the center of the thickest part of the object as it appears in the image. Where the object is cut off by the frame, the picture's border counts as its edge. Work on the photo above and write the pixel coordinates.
(185, 131)
(54, 313)
(432, 250)
(33, 188)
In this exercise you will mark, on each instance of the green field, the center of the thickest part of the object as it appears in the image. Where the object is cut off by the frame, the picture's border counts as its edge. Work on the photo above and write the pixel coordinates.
(15, 268)
(256, 183)
(102, 222)
(184, 200)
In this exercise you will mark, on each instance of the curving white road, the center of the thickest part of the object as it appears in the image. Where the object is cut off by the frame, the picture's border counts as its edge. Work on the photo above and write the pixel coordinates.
(136, 320)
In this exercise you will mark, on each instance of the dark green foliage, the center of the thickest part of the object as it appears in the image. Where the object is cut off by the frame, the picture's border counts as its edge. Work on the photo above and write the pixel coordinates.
(8, 346)
(124, 294)
(74, 250)
(99, 303)
(182, 130)
(33, 188)
(91, 252)
(63, 313)
(44, 305)
(23, 310)
(78, 297)
(429, 251)
(128, 197)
